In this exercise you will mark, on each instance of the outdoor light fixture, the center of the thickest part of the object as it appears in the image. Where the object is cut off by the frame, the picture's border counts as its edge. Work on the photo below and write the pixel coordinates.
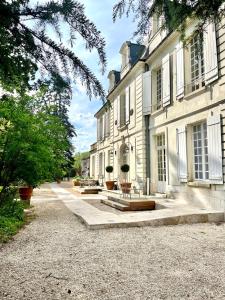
(131, 147)
(115, 152)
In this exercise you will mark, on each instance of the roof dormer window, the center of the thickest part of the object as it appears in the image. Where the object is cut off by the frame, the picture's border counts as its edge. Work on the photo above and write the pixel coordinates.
(125, 59)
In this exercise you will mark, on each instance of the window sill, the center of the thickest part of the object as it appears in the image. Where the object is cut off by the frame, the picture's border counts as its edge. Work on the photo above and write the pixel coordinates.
(123, 127)
(200, 184)
(157, 111)
(194, 94)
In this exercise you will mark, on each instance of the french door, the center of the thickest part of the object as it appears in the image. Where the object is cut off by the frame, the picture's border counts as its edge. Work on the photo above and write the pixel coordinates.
(161, 163)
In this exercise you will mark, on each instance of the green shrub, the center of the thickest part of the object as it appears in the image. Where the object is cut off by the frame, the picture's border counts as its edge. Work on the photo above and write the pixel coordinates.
(109, 169)
(9, 227)
(11, 216)
(12, 209)
(125, 168)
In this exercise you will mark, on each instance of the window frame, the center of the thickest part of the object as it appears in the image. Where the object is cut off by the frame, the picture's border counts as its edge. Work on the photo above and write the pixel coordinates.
(196, 63)
(204, 155)
(159, 89)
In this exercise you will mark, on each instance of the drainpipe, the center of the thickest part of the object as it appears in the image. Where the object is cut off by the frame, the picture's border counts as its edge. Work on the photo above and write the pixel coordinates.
(147, 154)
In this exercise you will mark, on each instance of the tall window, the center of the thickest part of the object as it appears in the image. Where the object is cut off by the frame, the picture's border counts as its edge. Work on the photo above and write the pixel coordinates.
(159, 88)
(161, 153)
(197, 63)
(201, 166)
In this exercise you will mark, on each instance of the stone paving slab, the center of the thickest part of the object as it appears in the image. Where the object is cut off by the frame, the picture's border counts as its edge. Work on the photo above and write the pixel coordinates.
(97, 219)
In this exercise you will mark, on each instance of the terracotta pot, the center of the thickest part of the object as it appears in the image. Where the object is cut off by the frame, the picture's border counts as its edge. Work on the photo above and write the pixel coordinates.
(126, 187)
(109, 184)
(25, 193)
(76, 182)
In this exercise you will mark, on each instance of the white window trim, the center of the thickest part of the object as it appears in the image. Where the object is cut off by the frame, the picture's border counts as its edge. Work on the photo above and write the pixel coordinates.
(204, 179)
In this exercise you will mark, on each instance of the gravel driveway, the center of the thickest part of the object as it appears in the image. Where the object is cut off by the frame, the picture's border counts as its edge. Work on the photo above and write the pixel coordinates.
(56, 257)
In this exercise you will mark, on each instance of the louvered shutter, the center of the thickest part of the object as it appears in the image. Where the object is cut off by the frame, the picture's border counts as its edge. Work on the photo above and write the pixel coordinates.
(182, 154)
(118, 111)
(210, 53)
(127, 105)
(180, 70)
(98, 129)
(147, 93)
(215, 149)
(108, 123)
(103, 127)
(97, 164)
(166, 80)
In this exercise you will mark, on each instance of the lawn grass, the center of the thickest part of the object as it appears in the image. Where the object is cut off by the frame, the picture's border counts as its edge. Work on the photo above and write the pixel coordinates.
(9, 226)
(12, 219)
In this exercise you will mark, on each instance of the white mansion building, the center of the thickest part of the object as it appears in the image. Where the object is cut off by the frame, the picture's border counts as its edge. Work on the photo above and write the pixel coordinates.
(166, 117)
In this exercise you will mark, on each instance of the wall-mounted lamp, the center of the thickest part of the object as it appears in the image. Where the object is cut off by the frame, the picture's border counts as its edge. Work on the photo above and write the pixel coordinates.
(115, 152)
(129, 147)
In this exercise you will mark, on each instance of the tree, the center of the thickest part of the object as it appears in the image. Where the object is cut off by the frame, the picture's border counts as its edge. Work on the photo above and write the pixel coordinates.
(176, 13)
(26, 45)
(32, 144)
(35, 131)
(54, 99)
(77, 161)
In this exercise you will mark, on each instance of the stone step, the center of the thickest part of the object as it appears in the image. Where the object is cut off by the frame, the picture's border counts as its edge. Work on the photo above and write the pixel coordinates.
(84, 191)
(134, 202)
(131, 205)
(118, 194)
(114, 204)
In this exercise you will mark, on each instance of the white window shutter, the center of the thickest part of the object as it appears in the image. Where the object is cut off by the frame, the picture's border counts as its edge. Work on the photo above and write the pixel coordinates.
(127, 105)
(182, 153)
(98, 129)
(180, 70)
(210, 53)
(215, 149)
(103, 127)
(147, 93)
(115, 111)
(108, 123)
(166, 80)
(118, 111)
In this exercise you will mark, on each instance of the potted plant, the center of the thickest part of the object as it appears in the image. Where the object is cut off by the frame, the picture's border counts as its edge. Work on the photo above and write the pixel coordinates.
(109, 183)
(25, 191)
(76, 181)
(125, 186)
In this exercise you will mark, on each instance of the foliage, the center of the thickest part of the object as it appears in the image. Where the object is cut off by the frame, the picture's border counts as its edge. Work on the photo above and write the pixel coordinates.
(32, 143)
(9, 226)
(125, 168)
(78, 177)
(54, 98)
(77, 161)
(175, 12)
(109, 169)
(31, 39)
(11, 216)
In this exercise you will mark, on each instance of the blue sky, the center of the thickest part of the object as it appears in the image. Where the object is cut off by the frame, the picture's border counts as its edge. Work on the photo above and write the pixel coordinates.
(82, 110)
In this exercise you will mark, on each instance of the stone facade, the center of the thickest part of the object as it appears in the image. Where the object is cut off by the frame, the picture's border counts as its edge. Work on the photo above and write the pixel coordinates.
(166, 117)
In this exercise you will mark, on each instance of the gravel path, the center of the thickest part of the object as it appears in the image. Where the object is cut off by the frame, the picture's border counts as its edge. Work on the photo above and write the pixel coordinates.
(56, 257)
